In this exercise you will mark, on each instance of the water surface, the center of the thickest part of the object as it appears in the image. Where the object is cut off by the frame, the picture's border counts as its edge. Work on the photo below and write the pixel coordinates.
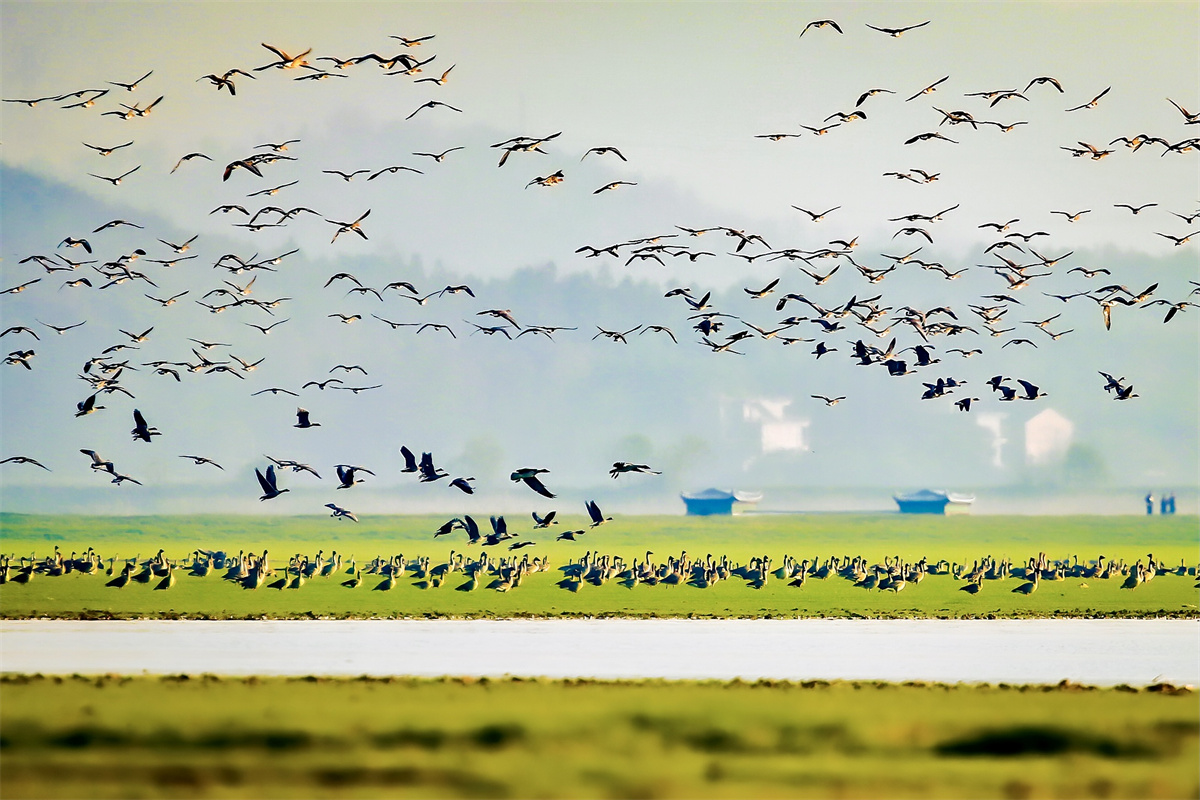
(1097, 652)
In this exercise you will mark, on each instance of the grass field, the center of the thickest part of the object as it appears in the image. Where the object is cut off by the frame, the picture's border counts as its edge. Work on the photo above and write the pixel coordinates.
(961, 539)
(209, 737)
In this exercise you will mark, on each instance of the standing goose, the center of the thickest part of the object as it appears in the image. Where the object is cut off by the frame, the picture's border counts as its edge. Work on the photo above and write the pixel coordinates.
(1029, 587)
(169, 580)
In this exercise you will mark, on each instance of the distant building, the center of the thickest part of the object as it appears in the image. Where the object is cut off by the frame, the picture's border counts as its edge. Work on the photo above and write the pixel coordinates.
(928, 501)
(718, 501)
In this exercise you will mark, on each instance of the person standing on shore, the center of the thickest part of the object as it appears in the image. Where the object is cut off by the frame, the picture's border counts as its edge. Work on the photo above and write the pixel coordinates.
(1149, 503)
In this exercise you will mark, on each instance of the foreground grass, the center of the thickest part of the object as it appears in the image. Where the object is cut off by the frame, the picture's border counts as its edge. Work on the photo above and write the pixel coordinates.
(211, 737)
(956, 539)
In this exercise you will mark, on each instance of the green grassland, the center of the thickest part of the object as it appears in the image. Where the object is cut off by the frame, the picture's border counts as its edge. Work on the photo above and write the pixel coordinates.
(961, 539)
(218, 737)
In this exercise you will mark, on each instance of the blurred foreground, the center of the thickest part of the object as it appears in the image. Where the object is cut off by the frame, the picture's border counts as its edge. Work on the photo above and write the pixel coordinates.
(206, 736)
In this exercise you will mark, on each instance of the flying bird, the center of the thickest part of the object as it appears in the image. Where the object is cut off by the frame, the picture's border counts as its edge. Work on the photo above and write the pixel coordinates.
(141, 430)
(596, 515)
(530, 477)
(340, 513)
(820, 23)
(36, 463)
(117, 180)
(1093, 102)
(268, 483)
(621, 467)
(896, 33)
(302, 420)
(201, 460)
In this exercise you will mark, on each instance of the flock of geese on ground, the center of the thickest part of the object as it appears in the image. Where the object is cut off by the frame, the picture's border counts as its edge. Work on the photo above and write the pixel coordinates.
(255, 571)
(1013, 260)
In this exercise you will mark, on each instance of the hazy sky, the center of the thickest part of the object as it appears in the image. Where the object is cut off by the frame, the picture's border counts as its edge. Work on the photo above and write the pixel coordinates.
(684, 91)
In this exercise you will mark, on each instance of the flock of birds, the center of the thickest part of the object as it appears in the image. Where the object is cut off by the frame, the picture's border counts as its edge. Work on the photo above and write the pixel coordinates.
(1013, 261)
(384, 573)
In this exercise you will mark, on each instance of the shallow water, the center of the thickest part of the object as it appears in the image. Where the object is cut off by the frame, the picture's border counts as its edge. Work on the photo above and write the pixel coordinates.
(1097, 652)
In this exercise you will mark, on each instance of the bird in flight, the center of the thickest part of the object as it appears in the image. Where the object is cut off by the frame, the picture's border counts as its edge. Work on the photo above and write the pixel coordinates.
(1093, 102)
(604, 150)
(302, 420)
(201, 460)
(529, 475)
(268, 483)
(596, 515)
(285, 61)
(621, 467)
(829, 401)
(141, 430)
(896, 33)
(1178, 240)
(346, 176)
(820, 23)
(613, 185)
(347, 227)
(107, 151)
(340, 513)
(1135, 210)
(931, 88)
(129, 87)
(815, 216)
(432, 104)
(117, 180)
(346, 473)
(439, 156)
(36, 463)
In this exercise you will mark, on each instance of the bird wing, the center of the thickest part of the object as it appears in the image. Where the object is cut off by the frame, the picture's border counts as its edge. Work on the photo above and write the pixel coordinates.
(535, 484)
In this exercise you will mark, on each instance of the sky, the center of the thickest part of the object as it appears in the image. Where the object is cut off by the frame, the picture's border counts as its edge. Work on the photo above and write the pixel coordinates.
(686, 92)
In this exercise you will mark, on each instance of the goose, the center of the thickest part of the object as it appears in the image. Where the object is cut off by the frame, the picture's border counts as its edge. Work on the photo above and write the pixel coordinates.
(341, 513)
(141, 430)
(36, 463)
(1091, 103)
(439, 156)
(529, 475)
(431, 104)
(355, 582)
(930, 89)
(820, 23)
(896, 33)
(302, 420)
(285, 61)
(621, 467)
(346, 473)
(106, 151)
(268, 483)
(130, 87)
(169, 580)
(1030, 586)
(122, 580)
(349, 227)
(117, 180)
(609, 186)
(595, 514)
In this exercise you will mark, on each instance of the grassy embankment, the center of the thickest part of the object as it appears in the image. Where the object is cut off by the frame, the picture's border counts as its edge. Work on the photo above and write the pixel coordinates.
(204, 736)
(956, 539)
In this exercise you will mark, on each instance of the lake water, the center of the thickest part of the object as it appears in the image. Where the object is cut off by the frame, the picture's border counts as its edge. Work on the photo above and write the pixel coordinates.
(1097, 652)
